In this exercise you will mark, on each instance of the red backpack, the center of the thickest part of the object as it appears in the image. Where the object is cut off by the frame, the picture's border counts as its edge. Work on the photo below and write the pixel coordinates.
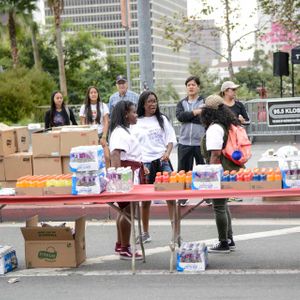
(237, 141)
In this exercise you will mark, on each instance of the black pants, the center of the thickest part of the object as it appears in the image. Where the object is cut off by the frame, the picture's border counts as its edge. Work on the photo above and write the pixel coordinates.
(186, 156)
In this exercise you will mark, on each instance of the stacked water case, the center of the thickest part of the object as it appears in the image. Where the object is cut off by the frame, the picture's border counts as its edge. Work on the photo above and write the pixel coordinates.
(87, 164)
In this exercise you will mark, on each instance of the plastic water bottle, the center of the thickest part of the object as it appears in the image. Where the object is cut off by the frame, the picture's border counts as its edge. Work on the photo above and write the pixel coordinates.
(126, 179)
(112, 177)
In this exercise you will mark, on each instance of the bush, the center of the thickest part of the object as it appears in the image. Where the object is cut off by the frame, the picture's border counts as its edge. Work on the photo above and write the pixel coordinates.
(21, 90)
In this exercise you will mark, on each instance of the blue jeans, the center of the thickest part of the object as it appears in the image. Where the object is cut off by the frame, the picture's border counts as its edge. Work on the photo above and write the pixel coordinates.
(157, 166)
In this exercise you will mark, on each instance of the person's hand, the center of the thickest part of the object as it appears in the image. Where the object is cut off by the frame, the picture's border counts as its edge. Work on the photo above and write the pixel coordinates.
(197, 111)
(165, 156)
(146, 171)
(242, 120)
(103, 141)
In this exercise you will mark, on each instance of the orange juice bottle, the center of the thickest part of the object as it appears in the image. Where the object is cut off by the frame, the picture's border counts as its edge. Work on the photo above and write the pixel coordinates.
(181, 176)
(173, 177)
(278, 175)
(165, 177)
(270, 175)
(188, 182)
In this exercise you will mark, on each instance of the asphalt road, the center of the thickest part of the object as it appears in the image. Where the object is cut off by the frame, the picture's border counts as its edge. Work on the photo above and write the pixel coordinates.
(265, 265)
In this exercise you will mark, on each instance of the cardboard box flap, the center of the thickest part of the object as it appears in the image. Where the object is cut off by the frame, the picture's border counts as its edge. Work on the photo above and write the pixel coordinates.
(33, 221)
(47, 233)
(79, 228)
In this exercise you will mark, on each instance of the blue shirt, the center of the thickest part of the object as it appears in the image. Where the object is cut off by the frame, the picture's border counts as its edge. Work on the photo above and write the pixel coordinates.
(116, 97)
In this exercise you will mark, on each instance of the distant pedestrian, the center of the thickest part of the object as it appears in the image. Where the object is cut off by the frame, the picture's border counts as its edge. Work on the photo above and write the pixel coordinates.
(217, 118)
(125, 151)
(59, 113)
(123, 93)
(188, 112)
(157, 139)
(228, 93)
(94, 112)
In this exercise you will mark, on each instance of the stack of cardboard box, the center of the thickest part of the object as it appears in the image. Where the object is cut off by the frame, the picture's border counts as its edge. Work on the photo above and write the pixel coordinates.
(15, 160)
(51, 148)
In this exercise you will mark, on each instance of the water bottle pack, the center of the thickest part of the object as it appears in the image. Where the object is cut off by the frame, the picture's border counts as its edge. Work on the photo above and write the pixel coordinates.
(192, 256)
(119, 180)
(207, 177)
(87, 158)
(8, 259)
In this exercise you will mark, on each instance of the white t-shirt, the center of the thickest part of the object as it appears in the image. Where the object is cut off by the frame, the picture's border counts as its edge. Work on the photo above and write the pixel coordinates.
(214, 137)
(152, 138)
(127, 142)
(103, 110)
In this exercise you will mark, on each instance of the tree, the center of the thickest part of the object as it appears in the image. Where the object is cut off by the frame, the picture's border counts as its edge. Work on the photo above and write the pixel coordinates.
(13, 8)
(57, 7)
(181, 30)
(167, 94)
(284, 12)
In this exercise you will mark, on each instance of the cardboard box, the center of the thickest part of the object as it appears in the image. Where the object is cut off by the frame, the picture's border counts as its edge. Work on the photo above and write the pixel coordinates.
(17, 165)
(65, 160)
(169, 186)
(263, 185)
(235, 185)
(21, 138)
(2, 172)
(80, 137)
(54, 247)
(47, 166)
(58, 190)
(7, 142)
(8, 184)
(30, 191)
(45, 143)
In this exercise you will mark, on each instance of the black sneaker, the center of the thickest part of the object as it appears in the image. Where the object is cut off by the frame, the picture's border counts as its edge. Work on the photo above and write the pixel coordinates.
(183, 202)
(231, 244)
(220, 247)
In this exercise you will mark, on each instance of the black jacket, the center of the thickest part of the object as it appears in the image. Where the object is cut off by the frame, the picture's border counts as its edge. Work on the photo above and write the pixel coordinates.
(49, 123)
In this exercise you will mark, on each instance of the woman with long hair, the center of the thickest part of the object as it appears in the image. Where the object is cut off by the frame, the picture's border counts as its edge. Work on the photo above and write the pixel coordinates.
(217, 118)
(95, 112)
(125, 152)
(58, 114)
(157, 139)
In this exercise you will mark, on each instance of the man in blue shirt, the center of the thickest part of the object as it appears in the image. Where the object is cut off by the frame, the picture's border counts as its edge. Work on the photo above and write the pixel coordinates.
(122, 94)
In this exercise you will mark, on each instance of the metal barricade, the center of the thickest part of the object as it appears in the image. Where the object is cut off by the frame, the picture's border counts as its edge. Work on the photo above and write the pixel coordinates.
(257, 111)
(170, 111)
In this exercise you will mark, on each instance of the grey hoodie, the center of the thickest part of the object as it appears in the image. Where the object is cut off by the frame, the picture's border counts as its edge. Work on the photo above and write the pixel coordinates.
(191, 130)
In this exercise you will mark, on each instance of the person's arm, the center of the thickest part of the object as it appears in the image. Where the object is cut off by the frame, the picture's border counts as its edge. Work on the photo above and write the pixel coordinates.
(82, 120)
(166, 155)
(183, 116)
(115, 158)
(72, 117)
(215, 157)
(243, 116)
(103, 140)
(47, 119)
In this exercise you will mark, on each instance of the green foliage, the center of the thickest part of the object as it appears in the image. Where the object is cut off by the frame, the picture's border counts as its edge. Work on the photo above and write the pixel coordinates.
(167, 94)
(20, 91)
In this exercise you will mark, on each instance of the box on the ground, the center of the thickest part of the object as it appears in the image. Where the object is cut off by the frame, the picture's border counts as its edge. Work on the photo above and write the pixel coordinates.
(58, 190)
(2, 172)
(30, 191)
(47, 166)
(74, 138)
(169, 186)
(45, 143)
(7, 142)
(17, 165)
(52, 247)
(8, 259)
(65, 160)
(21, 138)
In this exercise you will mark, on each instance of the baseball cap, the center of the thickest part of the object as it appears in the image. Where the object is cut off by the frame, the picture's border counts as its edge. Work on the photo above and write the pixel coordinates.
(121, 78)
(213, 101)
(228, 85)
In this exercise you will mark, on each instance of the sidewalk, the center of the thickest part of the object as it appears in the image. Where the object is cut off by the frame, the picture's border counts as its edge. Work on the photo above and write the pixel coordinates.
(249, 208)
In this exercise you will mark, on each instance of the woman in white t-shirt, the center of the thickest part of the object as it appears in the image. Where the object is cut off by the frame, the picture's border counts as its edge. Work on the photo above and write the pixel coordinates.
(95, 112)
(157, 139)
(125, 151)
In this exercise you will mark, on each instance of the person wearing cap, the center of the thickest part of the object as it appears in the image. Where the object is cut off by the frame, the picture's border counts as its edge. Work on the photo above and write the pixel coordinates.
(122, 94)
(228, 93)
(217, 118)
(188, 113)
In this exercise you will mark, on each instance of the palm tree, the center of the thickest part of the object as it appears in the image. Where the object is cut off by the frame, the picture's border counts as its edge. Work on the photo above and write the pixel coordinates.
(57, 7)
(12, 8)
